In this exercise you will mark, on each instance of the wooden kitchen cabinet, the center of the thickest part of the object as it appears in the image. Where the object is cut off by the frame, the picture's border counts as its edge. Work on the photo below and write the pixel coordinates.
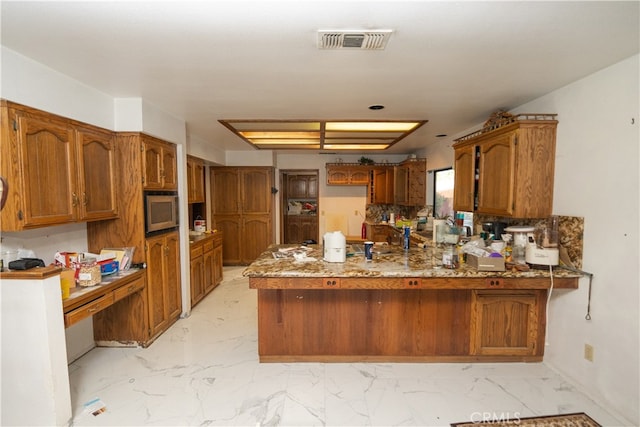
(205, 266)
(513, 168)
(159, 164)
(411, 183)
(378, 232)
(80, 181)
(464, 189)
(242, 209)
(163, 274)
(381, 189)
(196, 274)
(302, 186)
(301, 228)
(347, 174)
(161, 303)
(506, 323)
(195, 177)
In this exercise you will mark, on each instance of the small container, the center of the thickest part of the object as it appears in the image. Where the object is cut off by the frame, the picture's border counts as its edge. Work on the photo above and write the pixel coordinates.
(450, 257)
(89, 273)
(368, 250)
(406, 234)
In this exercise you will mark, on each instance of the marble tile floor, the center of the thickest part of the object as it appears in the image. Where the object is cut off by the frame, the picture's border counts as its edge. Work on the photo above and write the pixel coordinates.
(204, 371)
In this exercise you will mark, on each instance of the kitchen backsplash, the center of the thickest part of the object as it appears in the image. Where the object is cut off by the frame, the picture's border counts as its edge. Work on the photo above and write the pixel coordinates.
(570, 232)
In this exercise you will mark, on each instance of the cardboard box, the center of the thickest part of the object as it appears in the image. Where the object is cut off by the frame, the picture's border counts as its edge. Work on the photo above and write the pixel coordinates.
(485, 263)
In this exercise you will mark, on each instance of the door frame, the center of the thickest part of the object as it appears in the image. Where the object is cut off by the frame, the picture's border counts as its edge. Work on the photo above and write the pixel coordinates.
(283, 196)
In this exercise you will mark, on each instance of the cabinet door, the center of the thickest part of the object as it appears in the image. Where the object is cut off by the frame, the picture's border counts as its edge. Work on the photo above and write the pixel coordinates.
(257, 236)
(209, 271)
(496, 183)
(359, 176)
(464, 178)
(48, 171)
(97, 183)
(198, 183)
(337, 175)
(190, 182)
(308, 228)
(152, 164)
(312, 186)
(297, 187)
(230, 226)
(400, 182)
(505, 323)
(293, 233)
(225, 191)
(217, 261)
(197, 279)
(255, 188)
(417, 182)
(172, 275)
(169, 167)
(156, 289)
(380, 190)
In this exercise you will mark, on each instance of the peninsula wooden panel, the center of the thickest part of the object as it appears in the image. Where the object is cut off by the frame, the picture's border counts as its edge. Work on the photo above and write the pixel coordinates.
(363, 322)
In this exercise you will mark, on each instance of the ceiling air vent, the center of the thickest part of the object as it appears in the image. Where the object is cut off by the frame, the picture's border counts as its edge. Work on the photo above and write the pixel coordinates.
(364, 40)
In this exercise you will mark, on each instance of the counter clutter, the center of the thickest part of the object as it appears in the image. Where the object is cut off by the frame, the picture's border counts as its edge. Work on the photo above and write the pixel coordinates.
(396, 262)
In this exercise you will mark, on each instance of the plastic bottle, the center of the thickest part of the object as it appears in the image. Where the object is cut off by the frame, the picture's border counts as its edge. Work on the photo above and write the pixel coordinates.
(406, 233)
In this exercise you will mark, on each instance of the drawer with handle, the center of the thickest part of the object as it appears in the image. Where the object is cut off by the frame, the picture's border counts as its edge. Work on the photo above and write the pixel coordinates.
(87, 310)
(128, 289)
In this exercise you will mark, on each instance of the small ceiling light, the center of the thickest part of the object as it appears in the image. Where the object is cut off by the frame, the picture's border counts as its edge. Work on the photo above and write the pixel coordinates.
(376, 107)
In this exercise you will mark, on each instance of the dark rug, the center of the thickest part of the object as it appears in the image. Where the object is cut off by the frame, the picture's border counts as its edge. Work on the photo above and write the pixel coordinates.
(579, 419)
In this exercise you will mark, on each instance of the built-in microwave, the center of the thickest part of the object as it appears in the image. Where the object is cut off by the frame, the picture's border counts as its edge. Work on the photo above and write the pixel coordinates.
(160, 212)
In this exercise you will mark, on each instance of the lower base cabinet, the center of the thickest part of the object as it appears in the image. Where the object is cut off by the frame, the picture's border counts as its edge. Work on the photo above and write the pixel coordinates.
(205, 266)
(163, 281)
(506, 323)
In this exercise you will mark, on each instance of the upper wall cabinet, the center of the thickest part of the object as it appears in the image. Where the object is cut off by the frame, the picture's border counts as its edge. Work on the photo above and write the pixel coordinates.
(347, 174)
(507, 171)
(159, 164)
(58, 171)
(411, 183)
(195, 175)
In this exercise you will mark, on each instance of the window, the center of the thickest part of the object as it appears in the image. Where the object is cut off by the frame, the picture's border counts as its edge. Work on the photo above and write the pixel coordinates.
(443, 193)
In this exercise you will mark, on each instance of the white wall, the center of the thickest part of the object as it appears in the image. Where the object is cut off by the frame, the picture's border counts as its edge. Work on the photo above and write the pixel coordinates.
(596, 177)
(597, 159)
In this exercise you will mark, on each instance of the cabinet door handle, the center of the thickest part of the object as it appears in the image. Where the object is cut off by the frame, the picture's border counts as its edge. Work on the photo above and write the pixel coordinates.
(74, 199)
(85, 199)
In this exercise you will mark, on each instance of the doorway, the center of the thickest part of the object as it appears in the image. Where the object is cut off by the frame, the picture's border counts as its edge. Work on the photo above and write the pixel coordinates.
(299, 206)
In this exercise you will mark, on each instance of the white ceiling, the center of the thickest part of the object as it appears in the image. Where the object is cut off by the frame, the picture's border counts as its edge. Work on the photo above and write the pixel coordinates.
(452, 63)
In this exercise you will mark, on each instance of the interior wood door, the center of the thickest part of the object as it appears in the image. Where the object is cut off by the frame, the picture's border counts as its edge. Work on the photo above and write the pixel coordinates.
(97, 175)
(48, 171)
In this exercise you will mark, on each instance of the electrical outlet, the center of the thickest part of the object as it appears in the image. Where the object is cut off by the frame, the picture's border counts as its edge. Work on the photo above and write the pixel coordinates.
(588, 352)
(356, 213)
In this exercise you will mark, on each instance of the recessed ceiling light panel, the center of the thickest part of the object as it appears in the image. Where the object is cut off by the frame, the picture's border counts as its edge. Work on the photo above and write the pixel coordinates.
(322, 135)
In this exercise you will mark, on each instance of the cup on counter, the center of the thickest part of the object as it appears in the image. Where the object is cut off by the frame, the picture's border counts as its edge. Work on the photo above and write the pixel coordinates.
(368, 250)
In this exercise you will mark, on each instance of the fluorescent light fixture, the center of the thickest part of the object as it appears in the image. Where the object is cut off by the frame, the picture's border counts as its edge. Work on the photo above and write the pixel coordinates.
(322, 135)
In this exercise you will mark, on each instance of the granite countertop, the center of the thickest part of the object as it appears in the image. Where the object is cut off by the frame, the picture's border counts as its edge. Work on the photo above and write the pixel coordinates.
(416, 262)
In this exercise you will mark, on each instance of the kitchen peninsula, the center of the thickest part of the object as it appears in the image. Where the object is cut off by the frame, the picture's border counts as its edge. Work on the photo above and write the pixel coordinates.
(400, 307)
